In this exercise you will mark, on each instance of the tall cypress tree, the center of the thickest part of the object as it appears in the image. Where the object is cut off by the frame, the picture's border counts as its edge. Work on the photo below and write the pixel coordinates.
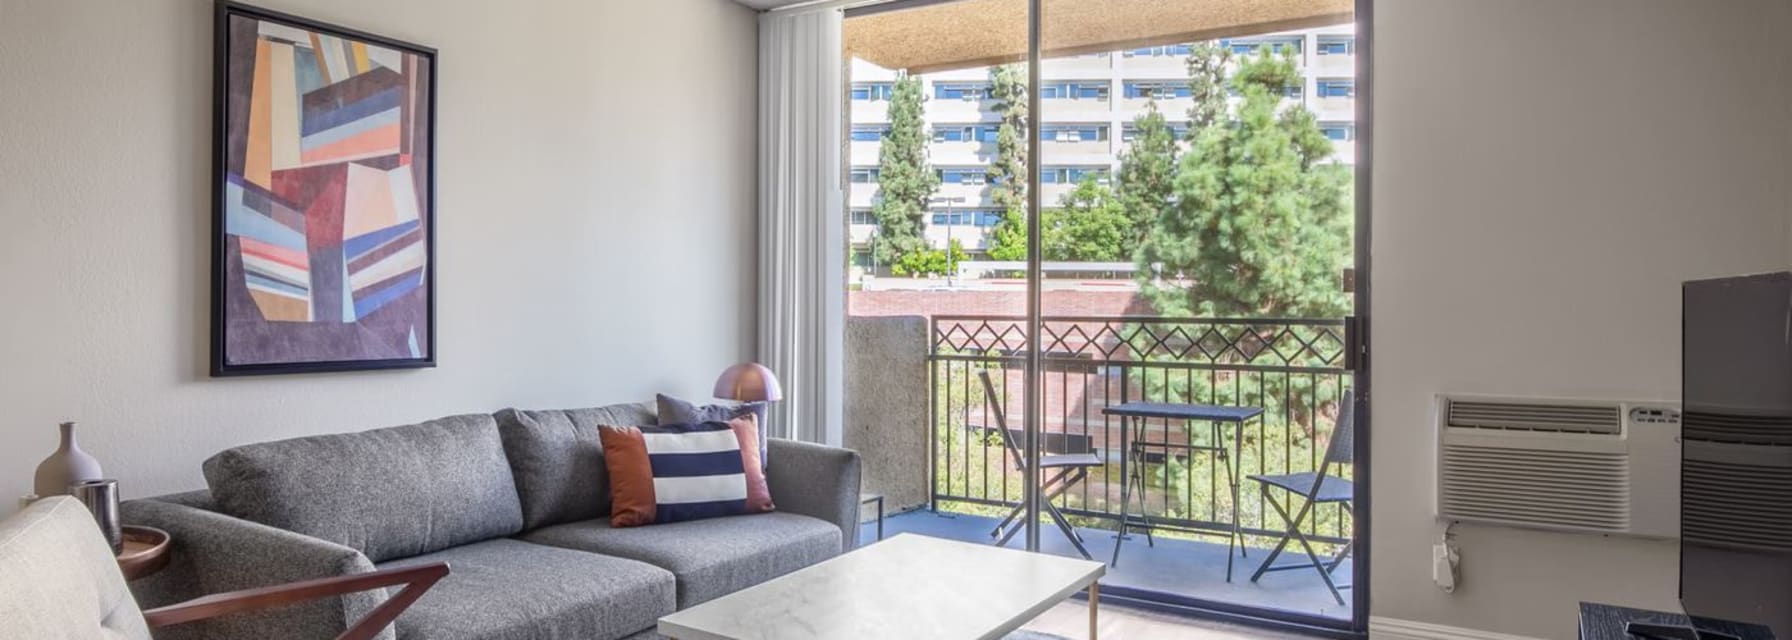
(1008, 176)
(905, 181)
(1207, 63)
(1147, 175)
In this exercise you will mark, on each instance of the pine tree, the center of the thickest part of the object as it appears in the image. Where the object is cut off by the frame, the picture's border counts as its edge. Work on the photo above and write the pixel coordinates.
(1207, 63)
(905, 181)
(1259, 227)
(1008, 176)
(1147, 176)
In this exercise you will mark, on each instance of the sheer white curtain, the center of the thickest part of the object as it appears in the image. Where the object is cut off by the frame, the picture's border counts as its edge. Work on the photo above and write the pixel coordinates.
(802, 225)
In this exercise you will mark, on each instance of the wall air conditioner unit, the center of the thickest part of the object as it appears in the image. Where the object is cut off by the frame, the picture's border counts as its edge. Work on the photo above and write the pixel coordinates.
(1585, 466)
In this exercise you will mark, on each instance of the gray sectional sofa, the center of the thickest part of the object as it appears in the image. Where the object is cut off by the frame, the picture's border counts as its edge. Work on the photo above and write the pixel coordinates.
(517, 503)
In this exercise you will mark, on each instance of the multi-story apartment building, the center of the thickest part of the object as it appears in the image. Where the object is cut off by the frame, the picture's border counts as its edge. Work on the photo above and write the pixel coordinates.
(1087, 104)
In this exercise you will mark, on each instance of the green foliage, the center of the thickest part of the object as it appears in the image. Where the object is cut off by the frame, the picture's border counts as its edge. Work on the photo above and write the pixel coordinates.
(1207, 81)
(1090, 226)
(1258, 228)
(1147, 175)
(1008, 176)
(905, 181)
(930, 261)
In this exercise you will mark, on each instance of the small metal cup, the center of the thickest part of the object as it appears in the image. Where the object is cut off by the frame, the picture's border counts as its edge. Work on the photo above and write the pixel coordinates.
(101, 498)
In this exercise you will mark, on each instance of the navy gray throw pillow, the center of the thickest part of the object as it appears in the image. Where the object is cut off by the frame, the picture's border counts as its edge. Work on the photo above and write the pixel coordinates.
(675, 411)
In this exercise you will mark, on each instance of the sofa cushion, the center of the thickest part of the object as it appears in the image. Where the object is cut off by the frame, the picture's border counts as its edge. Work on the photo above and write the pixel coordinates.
(672, 410)
(711, 558)
(509, 589)
(388, 493)
(558, 460)
(672, 473)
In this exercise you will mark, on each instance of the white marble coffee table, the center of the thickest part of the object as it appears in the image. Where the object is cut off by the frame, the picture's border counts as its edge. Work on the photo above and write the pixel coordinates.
(909, 586)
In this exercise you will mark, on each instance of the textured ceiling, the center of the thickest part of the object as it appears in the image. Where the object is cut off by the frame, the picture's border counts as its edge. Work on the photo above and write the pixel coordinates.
(769, 4)
(972, 33)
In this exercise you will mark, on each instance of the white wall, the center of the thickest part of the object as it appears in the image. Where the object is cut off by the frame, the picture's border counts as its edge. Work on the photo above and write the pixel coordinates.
(595, 222)
(1546, 174)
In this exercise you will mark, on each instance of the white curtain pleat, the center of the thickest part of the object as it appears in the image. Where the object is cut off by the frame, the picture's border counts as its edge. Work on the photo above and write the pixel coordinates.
(802, 223)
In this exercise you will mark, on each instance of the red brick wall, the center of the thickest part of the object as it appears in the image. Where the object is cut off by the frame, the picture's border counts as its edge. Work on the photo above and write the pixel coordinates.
(998, 303)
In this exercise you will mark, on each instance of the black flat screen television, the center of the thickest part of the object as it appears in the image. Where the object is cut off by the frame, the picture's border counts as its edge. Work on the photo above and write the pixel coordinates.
(1736, 458)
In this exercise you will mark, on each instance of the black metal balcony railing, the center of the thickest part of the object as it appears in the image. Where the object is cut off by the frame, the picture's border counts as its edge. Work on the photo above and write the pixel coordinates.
(1292, 368)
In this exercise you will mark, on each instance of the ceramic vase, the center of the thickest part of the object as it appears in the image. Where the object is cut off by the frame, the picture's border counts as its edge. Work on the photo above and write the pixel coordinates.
(68, 465)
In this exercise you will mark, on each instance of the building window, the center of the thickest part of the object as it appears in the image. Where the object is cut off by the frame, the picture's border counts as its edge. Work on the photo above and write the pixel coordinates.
(1337, 88)
(862, 216)
(1337, 45)
(964, 133)
(961, 90)
(866, 91)
(1073, 132)
(1177, 129)
(1159, 89)
(1294, 91)
(1338, 131)
(1071, 175)
(964, 175)
(1154, 52)
(869, 132)
(1251, 46)
(1082, 90)
(864, 175)
(971, 217)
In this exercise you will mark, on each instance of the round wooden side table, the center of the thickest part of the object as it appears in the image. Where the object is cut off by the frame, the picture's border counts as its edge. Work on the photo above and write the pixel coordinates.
(145, 551)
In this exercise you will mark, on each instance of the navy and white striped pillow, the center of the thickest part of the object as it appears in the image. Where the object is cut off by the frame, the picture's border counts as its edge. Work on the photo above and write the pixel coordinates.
(672, 473)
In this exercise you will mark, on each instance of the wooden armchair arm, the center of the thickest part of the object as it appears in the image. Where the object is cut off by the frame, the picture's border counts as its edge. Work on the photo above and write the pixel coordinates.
(416, 580)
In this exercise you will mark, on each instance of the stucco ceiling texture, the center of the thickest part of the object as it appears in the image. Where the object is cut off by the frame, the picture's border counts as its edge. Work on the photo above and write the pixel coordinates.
(970, 33)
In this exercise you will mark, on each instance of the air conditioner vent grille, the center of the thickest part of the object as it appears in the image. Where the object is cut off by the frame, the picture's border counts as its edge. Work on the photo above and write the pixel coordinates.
(1577, 489)
(1737, 428)
(1736, 505)
(1536, 416)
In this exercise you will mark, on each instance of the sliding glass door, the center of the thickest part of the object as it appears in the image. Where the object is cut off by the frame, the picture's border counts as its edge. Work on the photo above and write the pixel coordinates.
(1157, 307)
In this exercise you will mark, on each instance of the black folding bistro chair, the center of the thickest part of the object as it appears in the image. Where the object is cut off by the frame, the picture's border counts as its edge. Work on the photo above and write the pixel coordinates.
(1316, 488)
(1067, 470)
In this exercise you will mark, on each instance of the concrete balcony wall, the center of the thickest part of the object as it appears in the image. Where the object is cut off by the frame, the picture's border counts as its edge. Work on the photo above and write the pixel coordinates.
(863, 154)
(1154, 67)
(1333, 66)
(886, 408)
(1076, 109)
(1094, 152)
(971, 237)
(1077, 67)
(860, 233)
(1051, 194)
(870, 111)
(1342, 109)
(959, 154)
(861, 195)
(975, 195)
(958, 110)
(1171, 108)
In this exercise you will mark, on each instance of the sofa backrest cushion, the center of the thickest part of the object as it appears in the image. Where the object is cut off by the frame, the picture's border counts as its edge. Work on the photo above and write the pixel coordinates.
(388, 493)
(558, 459)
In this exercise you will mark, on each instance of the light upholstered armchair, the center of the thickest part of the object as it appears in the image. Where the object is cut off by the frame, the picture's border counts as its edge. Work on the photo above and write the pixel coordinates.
(58, 579)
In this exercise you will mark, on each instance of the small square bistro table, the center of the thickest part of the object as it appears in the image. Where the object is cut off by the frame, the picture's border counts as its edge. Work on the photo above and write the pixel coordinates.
(1134, 414)
(910, 586)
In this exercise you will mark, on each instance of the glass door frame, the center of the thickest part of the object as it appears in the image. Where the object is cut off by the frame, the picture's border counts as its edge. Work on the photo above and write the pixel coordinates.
(1356, 358)
(1357, 353)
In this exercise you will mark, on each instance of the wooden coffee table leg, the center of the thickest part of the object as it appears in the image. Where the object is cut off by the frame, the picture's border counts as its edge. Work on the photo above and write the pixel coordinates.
(1094, 604)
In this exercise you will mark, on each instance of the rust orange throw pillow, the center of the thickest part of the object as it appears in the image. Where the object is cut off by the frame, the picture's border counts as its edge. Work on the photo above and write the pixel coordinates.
(672, 473)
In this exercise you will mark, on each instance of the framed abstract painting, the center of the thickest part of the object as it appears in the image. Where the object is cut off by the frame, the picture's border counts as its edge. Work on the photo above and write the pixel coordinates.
(323, 216)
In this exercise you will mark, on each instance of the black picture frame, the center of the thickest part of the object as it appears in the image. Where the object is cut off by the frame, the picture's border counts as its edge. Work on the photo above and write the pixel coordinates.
(220, 359)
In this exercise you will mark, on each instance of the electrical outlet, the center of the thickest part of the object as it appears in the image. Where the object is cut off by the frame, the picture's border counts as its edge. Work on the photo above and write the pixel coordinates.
(1444, 558)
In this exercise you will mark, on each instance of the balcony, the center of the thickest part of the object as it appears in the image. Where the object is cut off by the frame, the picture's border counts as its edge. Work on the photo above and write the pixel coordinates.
(931, 441)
